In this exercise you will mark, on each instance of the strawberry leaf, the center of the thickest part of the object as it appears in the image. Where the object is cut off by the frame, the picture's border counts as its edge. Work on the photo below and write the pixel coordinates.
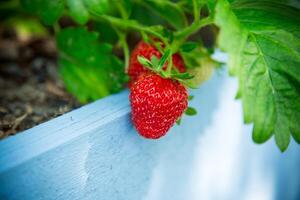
(169, 11)
(188, 46)
(262, 39)
(124, 7)
(182, 76)
(145, 62)
(178, 122)
(164, 59)
(48, 11)
(51, 11)
(78, 11)
(155, 61)
(93, 72)
(97, 6)
(191, 111)
(190, 97)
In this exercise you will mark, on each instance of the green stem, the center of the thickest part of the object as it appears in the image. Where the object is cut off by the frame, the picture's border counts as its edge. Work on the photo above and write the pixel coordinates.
(126, 54)
(181, 36)
(195, 26)
(170, 64)
(122, 38)
(196, 10)
(121, 9)
(129, 24)
(122, 35)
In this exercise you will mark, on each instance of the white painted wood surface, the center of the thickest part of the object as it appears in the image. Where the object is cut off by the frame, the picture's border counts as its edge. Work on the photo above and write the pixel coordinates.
(95, 153)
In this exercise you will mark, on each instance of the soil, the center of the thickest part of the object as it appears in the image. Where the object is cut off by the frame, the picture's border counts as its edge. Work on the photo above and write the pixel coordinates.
(31, 91)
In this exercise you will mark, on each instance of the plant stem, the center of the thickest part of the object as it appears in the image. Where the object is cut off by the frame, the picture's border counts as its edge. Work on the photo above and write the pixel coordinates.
(170, 64)
(195, 26)
(121, 9)
(126, 54)
(196, 10)
(122, 35)
(122, 38)
(129, 24)
(181, 36)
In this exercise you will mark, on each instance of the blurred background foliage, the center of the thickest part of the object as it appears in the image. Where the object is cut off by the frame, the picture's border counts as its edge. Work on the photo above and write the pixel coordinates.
(93, 54)
(91, 57)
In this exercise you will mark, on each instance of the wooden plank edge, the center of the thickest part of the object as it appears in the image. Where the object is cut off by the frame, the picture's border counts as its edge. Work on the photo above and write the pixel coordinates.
(61, 130)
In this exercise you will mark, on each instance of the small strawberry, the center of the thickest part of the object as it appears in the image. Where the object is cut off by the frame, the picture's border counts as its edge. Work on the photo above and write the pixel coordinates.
(147, 51)
(156, 103)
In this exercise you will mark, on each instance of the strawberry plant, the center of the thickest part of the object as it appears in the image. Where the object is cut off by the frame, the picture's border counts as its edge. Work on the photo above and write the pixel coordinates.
(262, 39)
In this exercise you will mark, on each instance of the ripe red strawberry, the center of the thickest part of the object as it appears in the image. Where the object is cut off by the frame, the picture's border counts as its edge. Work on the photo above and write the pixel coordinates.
(156, 103)
(146, 50)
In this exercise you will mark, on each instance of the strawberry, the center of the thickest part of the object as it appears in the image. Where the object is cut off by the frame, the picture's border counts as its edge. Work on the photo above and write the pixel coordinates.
(146, 50)
(156, 103)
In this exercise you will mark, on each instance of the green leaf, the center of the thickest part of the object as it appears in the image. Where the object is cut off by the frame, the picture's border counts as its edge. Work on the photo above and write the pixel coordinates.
(188, 4)
(164, 59)
(267, 15)
(188, 46)
(169, 11)
(262, 39)
(155, 61)
(178, 122)
(124, 7)
(141, 14)
(145, 62)
(106, 31)
(27, 27)
(233, 36)
(182, 76)
(48, 11)
(191, 111)
(78, 11)
(89, 69)
(98, 6)
(190, 97)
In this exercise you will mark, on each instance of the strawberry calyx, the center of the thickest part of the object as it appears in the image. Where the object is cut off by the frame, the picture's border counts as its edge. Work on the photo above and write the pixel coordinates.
(164, 67)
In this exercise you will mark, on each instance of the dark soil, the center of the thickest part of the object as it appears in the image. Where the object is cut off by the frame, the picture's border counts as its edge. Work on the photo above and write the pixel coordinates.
(30, 89)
